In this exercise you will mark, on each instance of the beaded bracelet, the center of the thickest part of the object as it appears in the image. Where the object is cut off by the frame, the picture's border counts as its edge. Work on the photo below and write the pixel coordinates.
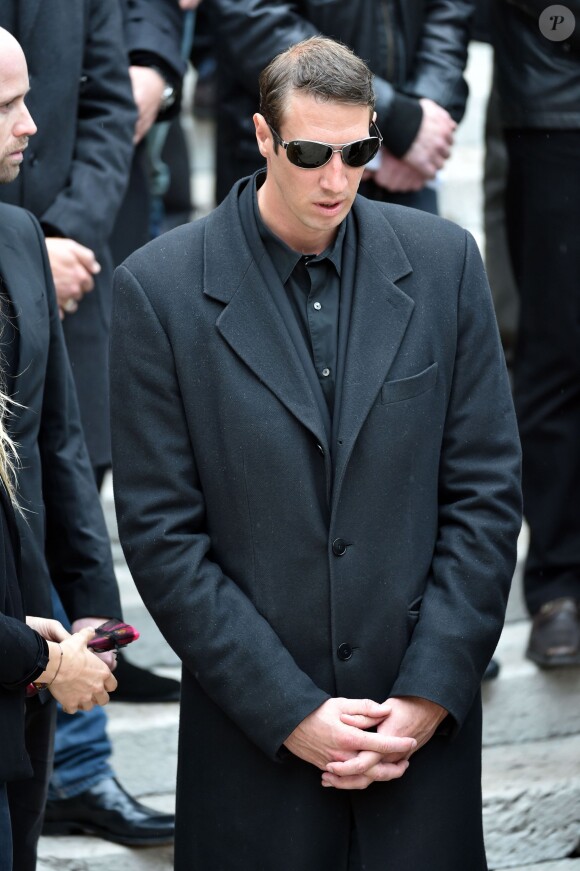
(39, 685)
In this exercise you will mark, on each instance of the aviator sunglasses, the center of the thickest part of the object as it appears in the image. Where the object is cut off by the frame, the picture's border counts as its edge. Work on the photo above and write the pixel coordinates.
(312, 155)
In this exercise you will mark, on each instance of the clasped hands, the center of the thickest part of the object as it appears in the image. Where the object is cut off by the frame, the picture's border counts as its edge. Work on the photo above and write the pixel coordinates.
(336, 738)
(426, 155)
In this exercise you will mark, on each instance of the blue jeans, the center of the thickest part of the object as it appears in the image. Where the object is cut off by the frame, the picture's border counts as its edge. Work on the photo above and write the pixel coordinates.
(82, 748)
(5, 832)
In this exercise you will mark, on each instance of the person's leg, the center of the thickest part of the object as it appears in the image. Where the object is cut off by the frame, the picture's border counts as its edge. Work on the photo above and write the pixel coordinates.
(497, 257)
(84, 795)
(544, 224)
(82, 749)
(5, 831)
(27, 797)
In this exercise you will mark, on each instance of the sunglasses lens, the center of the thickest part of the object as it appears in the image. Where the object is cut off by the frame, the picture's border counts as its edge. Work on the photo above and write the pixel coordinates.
(359, 153)
(308, 155)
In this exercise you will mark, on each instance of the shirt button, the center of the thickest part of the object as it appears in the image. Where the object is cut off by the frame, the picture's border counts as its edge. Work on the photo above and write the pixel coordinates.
(326, 373)
(317, 306)
(344, 652)
(339, 547)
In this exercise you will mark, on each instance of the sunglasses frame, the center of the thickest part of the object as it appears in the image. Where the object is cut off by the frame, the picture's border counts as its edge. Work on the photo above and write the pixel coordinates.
(334, 149)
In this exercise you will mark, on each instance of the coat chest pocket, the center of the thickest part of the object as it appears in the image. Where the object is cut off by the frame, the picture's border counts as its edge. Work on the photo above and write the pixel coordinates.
(409, 388)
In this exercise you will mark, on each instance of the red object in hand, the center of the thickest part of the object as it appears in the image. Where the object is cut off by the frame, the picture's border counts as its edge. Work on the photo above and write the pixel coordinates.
(112, 635)
(108, 636)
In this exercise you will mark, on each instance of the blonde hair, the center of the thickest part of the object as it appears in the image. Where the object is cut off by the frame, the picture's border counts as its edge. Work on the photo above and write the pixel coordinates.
(8, 454)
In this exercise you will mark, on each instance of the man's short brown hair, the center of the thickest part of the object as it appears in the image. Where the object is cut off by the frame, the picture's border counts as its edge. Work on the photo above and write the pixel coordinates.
(319, 67)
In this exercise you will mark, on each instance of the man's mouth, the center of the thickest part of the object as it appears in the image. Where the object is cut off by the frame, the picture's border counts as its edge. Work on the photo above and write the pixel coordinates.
(330, 207)
(19, 148)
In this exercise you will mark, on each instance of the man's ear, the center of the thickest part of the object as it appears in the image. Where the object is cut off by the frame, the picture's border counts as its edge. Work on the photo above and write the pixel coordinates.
(263, 135)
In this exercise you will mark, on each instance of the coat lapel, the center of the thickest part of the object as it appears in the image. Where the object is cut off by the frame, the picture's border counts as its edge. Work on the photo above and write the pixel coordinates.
(379, 318)
(251, 322)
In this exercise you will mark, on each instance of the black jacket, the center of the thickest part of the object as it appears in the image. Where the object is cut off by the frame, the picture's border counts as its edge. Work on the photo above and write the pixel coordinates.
(64, 534)
(415, 48)
(538, 78)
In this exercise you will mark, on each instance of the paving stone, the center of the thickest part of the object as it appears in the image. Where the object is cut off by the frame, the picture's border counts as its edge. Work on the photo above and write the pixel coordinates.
(531, 801)
(526, 703)
(92, 854)
(144, 739)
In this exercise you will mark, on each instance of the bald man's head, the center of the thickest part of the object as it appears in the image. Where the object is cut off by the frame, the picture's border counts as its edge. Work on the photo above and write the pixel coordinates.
(16, 125)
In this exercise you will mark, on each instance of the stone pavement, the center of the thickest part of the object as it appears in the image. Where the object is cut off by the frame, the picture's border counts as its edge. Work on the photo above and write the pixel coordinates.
(531, 758)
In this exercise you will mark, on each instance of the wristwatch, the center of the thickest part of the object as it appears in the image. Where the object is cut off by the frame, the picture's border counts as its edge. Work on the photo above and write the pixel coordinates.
(169, 92)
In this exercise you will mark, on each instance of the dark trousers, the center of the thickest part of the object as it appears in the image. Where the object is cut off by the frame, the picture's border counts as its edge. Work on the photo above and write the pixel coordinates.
(27, 798)
(543, 219)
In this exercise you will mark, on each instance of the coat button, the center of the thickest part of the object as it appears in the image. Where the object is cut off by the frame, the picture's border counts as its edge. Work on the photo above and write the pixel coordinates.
(344, 652)
(320, 449)
(339, 547)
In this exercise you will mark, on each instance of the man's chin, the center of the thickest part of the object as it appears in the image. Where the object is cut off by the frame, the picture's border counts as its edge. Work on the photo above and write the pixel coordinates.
(8, 174)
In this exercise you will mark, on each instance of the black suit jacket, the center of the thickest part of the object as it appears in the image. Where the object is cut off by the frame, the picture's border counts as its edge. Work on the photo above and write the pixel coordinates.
(64, 534)
(283, 571)
(76, 167)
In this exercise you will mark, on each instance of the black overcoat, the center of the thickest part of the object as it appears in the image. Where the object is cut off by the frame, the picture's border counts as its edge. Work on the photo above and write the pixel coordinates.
(76, 167)
(282, 575)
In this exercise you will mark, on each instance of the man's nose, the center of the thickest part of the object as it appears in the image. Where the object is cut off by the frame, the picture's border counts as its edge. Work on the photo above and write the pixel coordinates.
(24, 126)
(334, 175)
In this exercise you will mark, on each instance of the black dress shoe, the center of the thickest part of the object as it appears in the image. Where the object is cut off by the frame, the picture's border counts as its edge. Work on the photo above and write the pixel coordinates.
(492, 670)
(108, 811)
(138, 685)
(555, 636)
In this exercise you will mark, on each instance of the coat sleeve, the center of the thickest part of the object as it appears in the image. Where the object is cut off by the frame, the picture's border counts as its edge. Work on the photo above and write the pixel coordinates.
(211, 624)
(77, 544)
(441, 56)
(85, 209)
(21, 649)
(462, 611)
(155, 27)
(253, 32)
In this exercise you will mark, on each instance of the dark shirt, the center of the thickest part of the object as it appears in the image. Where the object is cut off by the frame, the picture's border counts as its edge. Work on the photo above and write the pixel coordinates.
(312, 283)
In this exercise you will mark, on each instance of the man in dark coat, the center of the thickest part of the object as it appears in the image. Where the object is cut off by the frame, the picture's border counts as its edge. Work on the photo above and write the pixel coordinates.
(74, 175)
(63, 531)
(316, 467)
(65, 180)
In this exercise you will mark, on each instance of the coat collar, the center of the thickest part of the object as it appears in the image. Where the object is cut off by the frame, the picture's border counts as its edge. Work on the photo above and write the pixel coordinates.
(252, 325)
